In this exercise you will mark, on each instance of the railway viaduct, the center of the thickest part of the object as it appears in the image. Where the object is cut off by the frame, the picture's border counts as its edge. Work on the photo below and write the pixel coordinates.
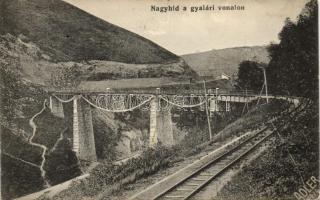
(159, 103)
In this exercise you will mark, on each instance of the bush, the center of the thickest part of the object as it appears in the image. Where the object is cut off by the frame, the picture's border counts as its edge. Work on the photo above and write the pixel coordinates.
(107, 175)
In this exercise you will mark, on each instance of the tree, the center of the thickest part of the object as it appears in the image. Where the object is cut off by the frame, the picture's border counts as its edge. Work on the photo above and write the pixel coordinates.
(293, 68)
(66, 78)
(250, 75)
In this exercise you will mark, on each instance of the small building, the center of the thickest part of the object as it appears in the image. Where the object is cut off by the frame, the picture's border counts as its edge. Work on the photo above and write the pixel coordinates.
(224, 76)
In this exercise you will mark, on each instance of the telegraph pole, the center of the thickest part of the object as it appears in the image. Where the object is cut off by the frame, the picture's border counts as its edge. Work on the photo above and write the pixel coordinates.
(265, 83)
(207, 112)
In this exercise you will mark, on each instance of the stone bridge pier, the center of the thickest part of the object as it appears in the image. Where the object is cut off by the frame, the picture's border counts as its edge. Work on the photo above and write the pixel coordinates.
(56, 107)
(83, 136)
(161, 130)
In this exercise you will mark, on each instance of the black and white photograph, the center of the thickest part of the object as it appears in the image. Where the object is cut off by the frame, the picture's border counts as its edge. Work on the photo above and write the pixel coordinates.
(159, 100)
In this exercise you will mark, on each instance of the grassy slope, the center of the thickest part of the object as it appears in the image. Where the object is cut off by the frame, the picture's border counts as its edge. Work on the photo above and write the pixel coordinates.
(20, 100)
(275, 175)
(227, 61)
(68, 33)
(18, 178)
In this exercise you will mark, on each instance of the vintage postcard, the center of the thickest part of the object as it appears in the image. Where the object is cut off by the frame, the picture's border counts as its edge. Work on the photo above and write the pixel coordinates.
(159, 99)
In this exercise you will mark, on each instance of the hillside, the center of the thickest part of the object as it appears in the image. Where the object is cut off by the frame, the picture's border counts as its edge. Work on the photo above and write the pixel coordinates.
(68, 33)
(227, 61)
(36, 66)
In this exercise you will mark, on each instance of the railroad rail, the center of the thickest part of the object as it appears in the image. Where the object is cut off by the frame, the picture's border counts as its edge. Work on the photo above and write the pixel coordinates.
(192, 184)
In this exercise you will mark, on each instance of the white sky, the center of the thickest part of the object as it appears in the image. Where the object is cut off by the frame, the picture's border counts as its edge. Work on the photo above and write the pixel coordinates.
(187, 32)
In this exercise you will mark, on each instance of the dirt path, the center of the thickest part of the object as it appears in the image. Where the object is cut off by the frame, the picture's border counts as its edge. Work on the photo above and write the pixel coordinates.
(43, 147)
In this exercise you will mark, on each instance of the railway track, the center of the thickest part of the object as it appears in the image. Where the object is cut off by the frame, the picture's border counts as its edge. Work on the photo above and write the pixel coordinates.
(190, 180)
(195, 182)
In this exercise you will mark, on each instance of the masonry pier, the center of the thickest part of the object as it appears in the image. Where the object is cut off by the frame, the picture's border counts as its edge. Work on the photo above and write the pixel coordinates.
(56, 107)
(161, 130)
(83, 136)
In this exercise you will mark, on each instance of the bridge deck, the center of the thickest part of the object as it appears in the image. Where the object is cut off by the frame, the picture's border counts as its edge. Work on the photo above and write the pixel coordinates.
(148, 86)
(154, 91)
